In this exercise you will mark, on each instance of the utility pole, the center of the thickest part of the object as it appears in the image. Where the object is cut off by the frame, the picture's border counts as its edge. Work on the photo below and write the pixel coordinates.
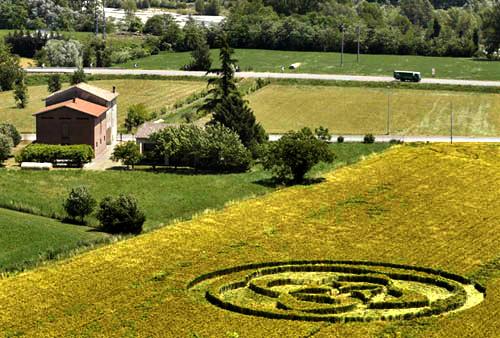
(451, 123)
(96, 17)
(358, 30)
(104, 19)
(388, 110)
(342, 28)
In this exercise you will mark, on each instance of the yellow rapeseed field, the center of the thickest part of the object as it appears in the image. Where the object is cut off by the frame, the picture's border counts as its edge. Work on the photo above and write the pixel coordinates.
(431, 205)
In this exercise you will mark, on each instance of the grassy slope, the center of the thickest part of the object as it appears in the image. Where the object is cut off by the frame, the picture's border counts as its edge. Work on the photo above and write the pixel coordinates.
(435, 207)
(155, 94)
(329, 63)
(354, 110)
(25, 237)
(163, 196)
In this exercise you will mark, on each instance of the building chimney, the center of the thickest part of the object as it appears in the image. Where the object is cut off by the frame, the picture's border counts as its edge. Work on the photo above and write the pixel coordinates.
(114, 89)
(74, 100)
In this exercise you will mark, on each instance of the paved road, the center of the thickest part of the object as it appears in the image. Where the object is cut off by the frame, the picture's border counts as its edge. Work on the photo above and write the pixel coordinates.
(359, 138)
(326, 77)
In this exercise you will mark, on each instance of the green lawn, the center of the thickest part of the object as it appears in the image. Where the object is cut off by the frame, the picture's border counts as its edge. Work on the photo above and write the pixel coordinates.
(329, 63)
(27, 237)
(164, 197)
(358, 110)
(155, 94)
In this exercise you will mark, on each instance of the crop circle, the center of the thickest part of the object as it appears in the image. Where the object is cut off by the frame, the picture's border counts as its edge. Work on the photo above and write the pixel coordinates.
(337, 291)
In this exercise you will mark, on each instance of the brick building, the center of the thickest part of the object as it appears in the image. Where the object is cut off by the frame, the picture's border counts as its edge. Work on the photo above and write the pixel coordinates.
(81, 114)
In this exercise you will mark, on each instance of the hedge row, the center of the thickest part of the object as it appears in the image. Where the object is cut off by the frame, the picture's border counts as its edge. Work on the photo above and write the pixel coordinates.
(76, 154)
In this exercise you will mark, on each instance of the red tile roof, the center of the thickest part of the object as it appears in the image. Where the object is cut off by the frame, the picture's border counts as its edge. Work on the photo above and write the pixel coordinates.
(80, 105)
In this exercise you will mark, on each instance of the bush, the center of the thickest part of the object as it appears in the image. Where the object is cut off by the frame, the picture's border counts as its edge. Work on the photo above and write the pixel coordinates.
(128, 153)
(369, 139)
(121, 215)
(79, 203)
(62, 53)
(340, 139)
(76, 154)
(54, 83)
(5, 147)
(137, 114)
(20, 93)
(295, 154)
(323, 134)
(215, 148)
(78, 77)
(11, 131)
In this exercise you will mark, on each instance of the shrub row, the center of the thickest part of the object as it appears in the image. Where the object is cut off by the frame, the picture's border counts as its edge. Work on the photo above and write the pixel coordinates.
(76, 154)
(214, 148)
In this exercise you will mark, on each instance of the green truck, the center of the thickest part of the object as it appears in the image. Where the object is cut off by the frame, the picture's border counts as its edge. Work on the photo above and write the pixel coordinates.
(407, 76)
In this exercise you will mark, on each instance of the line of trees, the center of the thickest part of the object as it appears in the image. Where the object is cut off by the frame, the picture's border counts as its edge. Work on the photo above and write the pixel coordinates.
(408, 27)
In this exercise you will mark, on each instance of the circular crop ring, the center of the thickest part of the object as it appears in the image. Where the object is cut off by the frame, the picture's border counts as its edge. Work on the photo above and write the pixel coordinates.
(337, 291)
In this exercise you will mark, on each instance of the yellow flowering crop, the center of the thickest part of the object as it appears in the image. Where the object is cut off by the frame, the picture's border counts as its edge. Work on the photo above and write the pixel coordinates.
(434, 205)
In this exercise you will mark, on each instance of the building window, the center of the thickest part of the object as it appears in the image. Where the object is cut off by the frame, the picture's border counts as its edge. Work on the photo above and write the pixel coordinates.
(96, 144)
(46, 118)
(82, 118)
(65, 118)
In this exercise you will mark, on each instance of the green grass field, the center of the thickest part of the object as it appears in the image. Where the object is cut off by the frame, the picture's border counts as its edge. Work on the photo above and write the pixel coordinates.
(155, 94)
(357, 110)
(27, 238)
(165, 197)
(329, 63)
(432, 206)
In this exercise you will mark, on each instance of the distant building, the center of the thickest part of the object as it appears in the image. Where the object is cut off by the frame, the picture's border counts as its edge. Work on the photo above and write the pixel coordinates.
(81, 114)
(144, 132)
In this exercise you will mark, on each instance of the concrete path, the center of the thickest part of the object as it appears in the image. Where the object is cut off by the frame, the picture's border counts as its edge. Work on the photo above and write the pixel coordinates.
(102, 161)
(325, 77)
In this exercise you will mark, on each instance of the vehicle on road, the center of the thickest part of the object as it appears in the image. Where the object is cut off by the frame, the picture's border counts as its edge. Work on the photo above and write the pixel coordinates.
(407, 76)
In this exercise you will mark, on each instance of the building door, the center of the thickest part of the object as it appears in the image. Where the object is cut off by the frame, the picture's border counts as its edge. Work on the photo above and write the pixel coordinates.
(65, 134)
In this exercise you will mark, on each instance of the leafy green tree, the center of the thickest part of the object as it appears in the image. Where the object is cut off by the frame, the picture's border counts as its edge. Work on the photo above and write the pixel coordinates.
(491, 29)
(295, 154)
(78, 76)
(5, 147)
(10, 69)
(96, 53)
(54, 83)
(418, 11)
(158, 24)
(128, 152)
(201, 59)
(199, 6)
(62, 53)
(121, 215)
(20, 92)
(215, 148)
(11, 131)
(212, 8)
(79, 203)
(137, 114)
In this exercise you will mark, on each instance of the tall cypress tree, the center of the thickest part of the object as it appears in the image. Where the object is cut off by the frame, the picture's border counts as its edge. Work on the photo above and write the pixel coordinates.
(227, 105)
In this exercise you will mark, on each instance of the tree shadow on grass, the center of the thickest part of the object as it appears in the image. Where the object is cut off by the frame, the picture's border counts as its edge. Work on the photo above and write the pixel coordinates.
(276, 183)
(184, 171)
